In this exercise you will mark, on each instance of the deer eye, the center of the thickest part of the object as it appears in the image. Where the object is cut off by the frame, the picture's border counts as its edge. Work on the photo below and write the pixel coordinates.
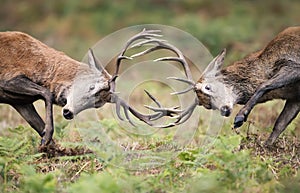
(207, 87)
(92, 87)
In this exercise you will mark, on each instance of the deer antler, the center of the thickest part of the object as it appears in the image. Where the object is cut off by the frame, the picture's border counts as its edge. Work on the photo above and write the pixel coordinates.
(148, 37)
(182, 115)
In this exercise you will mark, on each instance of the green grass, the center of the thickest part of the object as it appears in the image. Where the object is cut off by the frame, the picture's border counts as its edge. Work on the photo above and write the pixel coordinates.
(228, 163)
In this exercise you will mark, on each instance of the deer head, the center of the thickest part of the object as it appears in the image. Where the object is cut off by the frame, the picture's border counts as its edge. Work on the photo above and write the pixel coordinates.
(89, 89)
(94, 86)
(212, 91)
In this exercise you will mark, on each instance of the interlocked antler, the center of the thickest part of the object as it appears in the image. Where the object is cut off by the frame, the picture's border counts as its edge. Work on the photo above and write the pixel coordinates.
(185, 114)
(147, 36)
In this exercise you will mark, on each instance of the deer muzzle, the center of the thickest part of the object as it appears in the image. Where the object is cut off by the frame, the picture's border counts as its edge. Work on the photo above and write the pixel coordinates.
(225, 111)
(68, 114)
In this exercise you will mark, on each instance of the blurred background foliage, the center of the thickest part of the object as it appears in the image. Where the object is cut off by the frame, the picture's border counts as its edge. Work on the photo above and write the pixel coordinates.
(73, 26)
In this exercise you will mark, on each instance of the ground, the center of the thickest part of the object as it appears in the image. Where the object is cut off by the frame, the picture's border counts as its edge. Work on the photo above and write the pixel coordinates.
(233, 161)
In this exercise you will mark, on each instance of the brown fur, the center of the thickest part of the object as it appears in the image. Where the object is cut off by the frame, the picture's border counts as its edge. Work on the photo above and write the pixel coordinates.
(271, 73)
(30, 70)
(204, 98)
(20, 54)
(253, 70)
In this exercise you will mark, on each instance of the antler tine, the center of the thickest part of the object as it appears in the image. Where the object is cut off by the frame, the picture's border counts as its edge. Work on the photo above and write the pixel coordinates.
(183, 91)
(147, 41)
(120, 103)
(185, 114)
(163, 44)
(180, 58)
(144, 52)
(183, 80)
(153, 98)
(191, 83)
(145, 34)
(149, 36)
(170, 112)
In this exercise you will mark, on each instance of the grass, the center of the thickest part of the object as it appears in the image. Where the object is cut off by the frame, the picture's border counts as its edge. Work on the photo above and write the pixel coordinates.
(85, 159)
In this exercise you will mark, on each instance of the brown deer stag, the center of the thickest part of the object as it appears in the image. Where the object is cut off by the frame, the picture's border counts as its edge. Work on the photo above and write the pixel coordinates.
(271, 73)
(30, 70)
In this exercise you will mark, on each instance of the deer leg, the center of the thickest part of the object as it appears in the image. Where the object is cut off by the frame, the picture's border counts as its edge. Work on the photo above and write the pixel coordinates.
(29, 113)
(289, 112)
(23, 86)
(286, 75)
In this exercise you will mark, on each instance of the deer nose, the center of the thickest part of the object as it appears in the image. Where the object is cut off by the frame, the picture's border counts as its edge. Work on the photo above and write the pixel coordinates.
(225, 111)
(68, 114)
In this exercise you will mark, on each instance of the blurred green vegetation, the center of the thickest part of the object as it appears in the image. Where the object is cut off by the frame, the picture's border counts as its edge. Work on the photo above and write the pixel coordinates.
(73, 26)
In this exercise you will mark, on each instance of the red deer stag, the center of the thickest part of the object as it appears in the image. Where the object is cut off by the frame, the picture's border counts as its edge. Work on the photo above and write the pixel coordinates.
(271, 73)
(30, 70)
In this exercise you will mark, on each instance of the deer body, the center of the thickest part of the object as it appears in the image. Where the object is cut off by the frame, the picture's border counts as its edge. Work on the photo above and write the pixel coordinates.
(30, 70)
(271, 73)
(22, 55)
(252, 71)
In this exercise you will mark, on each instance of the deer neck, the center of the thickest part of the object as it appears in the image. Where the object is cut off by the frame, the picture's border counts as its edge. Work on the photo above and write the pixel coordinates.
(244, 78)
(64, 77)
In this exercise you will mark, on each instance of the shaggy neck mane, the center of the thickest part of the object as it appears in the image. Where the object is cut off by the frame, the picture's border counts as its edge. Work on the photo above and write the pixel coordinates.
(244, 76)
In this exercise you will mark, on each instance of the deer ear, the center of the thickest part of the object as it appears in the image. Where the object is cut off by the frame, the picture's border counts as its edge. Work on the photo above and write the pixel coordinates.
(95, 63)
(215, 65)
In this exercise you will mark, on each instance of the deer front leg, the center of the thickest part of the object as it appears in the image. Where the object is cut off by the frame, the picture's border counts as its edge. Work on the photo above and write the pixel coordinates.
(286, 75)
(289, 112)
(49, 127)
(25, 88)
(28, 112)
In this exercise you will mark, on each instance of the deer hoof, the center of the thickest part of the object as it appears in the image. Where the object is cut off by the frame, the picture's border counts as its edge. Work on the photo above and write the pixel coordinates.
(43, 142)
(270, 142)
(238, 121)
